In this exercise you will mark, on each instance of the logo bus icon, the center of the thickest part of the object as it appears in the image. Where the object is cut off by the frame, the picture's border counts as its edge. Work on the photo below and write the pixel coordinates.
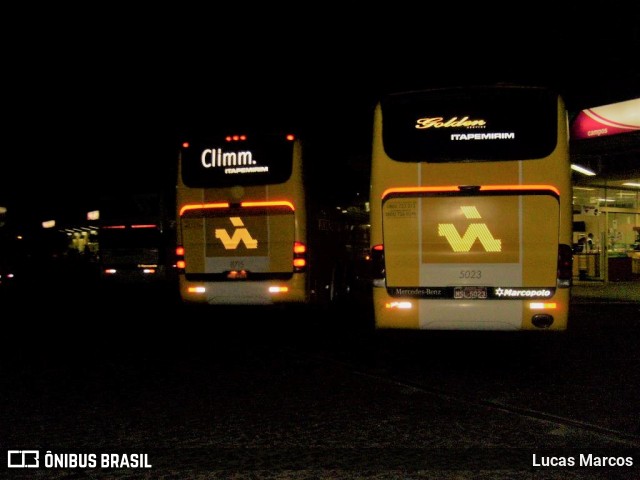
(23, 459)
(240, 234)
(475, 231)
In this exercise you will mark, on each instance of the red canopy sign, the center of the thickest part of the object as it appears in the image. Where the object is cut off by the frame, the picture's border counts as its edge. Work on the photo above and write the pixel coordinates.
(622, 117)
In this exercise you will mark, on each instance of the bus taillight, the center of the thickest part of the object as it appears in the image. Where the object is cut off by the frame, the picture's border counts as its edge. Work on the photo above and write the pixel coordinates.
(378, 271)
(299, 257)
(180, 263)
(565, 265)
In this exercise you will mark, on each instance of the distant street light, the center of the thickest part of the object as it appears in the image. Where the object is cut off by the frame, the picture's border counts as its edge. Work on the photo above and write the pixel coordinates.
(583, 170)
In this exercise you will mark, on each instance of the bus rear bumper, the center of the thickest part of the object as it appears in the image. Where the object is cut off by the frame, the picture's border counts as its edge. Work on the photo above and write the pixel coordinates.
(445, 314)
(244, 293)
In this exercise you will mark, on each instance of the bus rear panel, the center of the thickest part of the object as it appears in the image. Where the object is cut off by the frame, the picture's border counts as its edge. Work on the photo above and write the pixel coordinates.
(242, 222)
(471, 210)
(132, 253)
(242, 254)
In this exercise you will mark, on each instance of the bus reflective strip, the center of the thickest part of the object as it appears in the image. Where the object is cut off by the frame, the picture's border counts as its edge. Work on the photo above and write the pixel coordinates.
(202, 206)
(282, 203)
(483, 188)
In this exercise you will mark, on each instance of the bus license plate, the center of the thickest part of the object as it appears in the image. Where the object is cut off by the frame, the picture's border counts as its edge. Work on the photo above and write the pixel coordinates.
(470, 293)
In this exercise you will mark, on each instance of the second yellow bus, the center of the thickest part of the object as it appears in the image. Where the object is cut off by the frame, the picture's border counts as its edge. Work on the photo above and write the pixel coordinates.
(471, 210)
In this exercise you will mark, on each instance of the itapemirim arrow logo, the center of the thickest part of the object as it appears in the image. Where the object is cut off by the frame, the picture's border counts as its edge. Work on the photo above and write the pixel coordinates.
(240, 234)
(475, 231)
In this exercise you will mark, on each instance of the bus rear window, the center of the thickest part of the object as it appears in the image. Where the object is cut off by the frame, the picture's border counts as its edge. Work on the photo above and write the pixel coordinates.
(218, 162)
(477, 124)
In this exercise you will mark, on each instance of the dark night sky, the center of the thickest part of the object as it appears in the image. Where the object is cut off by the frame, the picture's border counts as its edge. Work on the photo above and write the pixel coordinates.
(99, 104)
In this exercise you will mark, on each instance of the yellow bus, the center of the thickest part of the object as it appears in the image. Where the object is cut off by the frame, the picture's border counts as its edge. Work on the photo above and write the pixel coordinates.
(247, 232)
(471, 209)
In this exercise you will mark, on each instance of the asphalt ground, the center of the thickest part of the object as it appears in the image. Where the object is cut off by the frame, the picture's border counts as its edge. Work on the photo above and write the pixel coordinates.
(606, 292)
